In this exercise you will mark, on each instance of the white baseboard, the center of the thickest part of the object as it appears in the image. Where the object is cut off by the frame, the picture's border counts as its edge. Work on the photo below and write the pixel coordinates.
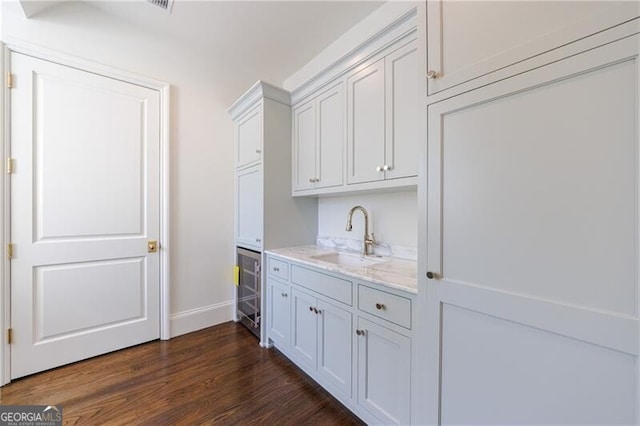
(197, 319)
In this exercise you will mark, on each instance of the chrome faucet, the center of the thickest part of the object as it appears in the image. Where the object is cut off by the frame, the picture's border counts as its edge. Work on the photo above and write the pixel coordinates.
(369, 240)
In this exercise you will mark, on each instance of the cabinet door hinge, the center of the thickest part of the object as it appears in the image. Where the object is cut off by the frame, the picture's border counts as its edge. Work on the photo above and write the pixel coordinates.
(9, 80)
(9, 165)
(10, 250)
(10, 335)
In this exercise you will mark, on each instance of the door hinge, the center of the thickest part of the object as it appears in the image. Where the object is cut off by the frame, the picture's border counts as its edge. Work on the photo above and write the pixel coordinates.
(10, 335)
(9, 165)
(9, 80)
(10, 250)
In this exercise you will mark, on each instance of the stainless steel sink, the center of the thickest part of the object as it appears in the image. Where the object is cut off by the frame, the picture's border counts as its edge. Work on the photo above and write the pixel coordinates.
(349, 260)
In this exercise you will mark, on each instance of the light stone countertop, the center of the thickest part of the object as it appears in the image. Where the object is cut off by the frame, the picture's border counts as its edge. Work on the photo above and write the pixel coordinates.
(399, 274)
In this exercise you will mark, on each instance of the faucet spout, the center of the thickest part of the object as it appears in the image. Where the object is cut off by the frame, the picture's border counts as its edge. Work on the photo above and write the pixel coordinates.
(369, 240)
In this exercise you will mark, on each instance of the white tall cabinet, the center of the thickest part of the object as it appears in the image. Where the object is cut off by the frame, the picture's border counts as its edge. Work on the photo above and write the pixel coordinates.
(529, 214)
(266, 216)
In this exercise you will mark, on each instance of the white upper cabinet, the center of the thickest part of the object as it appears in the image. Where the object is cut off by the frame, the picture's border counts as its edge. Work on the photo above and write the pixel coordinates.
(366, 124)
(318, 140)
(249, 208)
(357, 123)
(248, 129)
(330, 137)
(402, 112)
(304, 146)
(470, 39)
(383, 118)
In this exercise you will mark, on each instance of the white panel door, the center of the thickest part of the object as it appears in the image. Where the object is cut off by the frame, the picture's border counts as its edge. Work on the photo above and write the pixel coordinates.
(384, 372)
(84, 203)
(248, 131)
(366, 124)
(331, 132)
(304, 345)
(249, 198)
(304, 146)
(334, 346)
(403, 112)
(468, 39)
(533, 233)
(279, 313)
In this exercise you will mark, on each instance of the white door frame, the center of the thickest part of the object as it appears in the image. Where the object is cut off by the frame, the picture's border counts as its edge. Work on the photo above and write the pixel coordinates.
(5, 199)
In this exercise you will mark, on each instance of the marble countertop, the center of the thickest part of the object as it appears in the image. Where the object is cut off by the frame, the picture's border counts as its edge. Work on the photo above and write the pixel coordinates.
(396, 273)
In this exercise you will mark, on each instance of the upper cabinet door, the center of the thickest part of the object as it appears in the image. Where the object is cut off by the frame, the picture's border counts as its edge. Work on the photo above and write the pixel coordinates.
(330, 137)
(403, 112)
(366, 124)
(248, 131)
(466, 40)
(304, 146)
(249, 208)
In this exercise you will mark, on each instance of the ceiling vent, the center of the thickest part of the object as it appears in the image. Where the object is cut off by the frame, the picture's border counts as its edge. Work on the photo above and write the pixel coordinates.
(163, 4)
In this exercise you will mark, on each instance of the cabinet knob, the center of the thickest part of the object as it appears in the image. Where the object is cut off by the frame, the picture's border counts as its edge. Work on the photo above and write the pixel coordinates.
(380, 306)
(432, 74)
(284, 294)
(319, 311)
(311, 308)
(258, 151)
(258, 240)
(378, 169)
(433, 275)
(276, 269)
(386, 167)
(311, 180)
(360, 332)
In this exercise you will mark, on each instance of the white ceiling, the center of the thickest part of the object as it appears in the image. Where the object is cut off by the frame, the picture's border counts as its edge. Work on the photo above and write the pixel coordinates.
(275, 37)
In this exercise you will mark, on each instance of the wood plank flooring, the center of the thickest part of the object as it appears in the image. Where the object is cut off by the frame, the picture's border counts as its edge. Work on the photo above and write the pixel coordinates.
(215, 376)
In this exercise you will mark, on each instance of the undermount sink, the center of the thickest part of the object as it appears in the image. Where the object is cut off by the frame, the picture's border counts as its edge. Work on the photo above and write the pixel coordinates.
(348, 259)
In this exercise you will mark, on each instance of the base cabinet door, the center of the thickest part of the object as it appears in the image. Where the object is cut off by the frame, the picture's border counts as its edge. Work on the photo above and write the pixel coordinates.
(304, 333)
(384, 372)
(280, 313)
(334, 346)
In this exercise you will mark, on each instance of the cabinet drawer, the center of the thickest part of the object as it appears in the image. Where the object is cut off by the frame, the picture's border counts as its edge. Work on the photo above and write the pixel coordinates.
(326, 285)
(396, 309)
(279, 269)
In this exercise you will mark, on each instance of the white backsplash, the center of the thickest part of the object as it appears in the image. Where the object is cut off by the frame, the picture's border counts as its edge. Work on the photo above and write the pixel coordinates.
(392, 219)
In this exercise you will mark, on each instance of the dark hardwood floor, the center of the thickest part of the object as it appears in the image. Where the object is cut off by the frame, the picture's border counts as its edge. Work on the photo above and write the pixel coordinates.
(215, 376)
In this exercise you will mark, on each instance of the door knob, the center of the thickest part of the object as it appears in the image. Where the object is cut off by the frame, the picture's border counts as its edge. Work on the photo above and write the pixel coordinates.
(152, 246)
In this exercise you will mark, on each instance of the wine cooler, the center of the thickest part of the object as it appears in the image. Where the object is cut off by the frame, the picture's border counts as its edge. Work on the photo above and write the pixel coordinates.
(249, 285)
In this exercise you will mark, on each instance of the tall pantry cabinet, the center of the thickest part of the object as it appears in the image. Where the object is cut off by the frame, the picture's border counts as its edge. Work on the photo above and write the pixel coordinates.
(529, 213)
(266, 216)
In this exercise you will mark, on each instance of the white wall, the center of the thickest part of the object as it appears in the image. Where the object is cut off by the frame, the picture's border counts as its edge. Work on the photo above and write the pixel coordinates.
(201, 152)
(393, 217)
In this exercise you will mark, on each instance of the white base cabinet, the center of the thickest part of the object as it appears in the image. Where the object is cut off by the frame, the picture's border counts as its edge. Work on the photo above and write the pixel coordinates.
(321, 339)
(366, 363)
(279, 297)
(384, 372)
